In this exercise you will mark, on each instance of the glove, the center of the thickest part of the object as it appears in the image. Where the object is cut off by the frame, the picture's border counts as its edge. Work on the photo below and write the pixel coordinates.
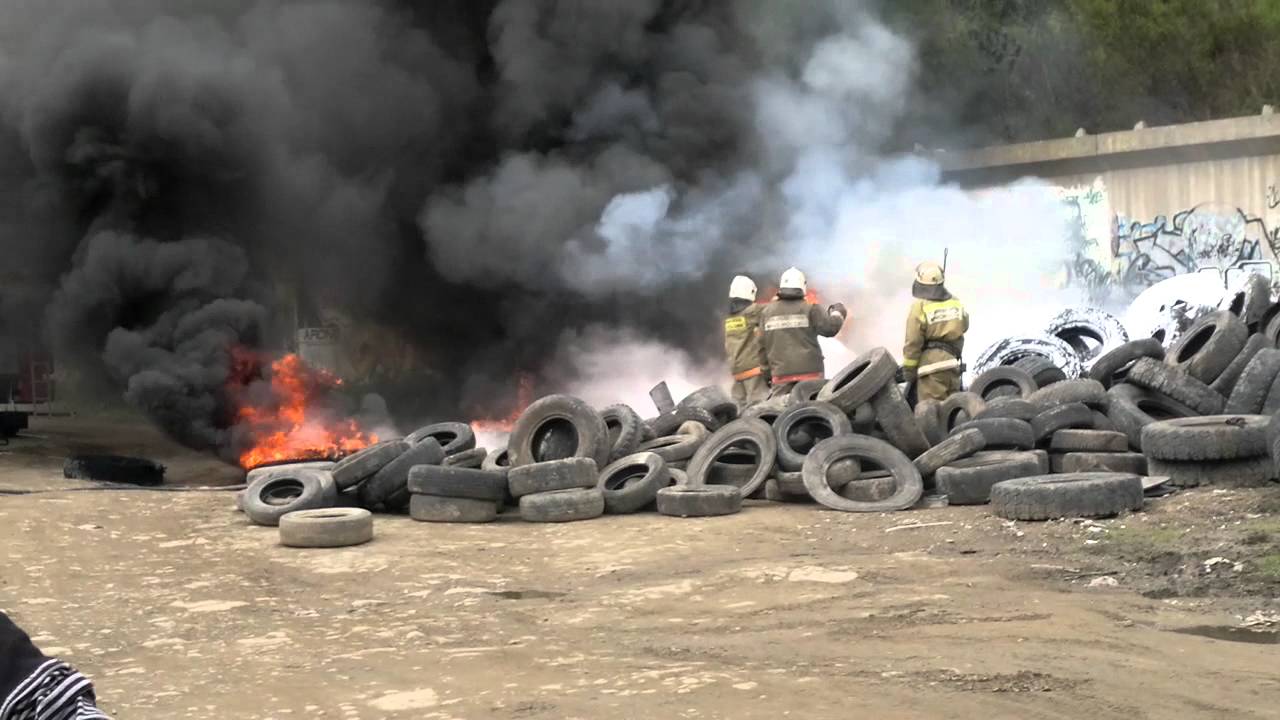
(838, 309)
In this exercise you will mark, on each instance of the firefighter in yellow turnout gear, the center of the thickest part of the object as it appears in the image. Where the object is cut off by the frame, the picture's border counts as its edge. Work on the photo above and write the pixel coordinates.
(936, 325)
(744, 343)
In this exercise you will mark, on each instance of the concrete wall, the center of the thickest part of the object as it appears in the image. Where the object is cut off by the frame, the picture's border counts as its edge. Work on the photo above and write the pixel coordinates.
(1150, 203)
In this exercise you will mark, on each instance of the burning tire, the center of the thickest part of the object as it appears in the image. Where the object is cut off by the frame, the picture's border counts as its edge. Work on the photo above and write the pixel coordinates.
(1062, 496)
(574, 425)
(434, 508)
(632, 482)
(361, 465)
(817, 421)
(867, 451)
(388, 489)
(326, 528)
(1089, 331)
(625, 428)
(271, 498)
(1054, 352)
(1207, 347)
(860, 380)
(747, 435)
(694, 501)
(454, 437)
(562, 506)
(1112, 367)
(568, 474)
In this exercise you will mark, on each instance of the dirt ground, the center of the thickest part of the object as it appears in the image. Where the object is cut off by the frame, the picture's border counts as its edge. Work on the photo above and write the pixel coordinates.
(178, 608)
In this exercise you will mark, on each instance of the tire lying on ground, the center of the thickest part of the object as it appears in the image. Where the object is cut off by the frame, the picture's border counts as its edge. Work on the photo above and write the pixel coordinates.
(362, 464)
(1226, 382)
(714, 400)
(819, 421)
(473, 458)
(909, 485)
(1069, 415)
(806, 391)
(1042, 370)
(1047, 497)
(895, 418)
(750, 435)
(454, 437)
(565, 417)
(1089, 331)
(567, 474)
(1113, 366)
(1248, 299)
(271, 498)
(1248, 472)
(1212, 437)
(860, 380)
(870, 489)
(1249, 395)
(434, 508)
(1207, 347)
(1088, 392)
(958, 446)
(456, 482)
(388, 489)
(668, 423)
(1066, 441)
(928, 417)
(562, 505)
(498, 459)
(1008, 407)
(695, 501)
(1174, 383)
(674, 448)
(632, 482)
(625, 429)
(1121, 462)
(326, 528)
(960, 408)
(270, 470)
(1003, 381)
(1057, 360)
(768, 411)
(773, 492)
(1133, 408)
(1003, 433)
(969, 481)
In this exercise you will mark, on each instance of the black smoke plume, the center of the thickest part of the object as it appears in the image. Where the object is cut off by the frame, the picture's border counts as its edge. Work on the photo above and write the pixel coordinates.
(484, 177)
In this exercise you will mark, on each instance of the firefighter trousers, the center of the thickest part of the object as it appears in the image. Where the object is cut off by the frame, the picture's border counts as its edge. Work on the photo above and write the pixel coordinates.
(751, 390)
(938, 386)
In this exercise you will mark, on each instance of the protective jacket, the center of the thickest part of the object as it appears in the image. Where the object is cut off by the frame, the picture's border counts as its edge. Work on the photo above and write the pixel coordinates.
(935, 336)
(744, 343)
(791, 330)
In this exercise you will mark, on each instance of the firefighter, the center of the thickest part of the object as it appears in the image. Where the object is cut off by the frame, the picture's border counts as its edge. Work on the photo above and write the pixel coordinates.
(791, 328)
(744, 345)
(936, 325)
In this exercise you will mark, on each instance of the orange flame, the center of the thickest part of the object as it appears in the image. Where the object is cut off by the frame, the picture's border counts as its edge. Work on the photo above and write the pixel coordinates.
(524, 397)
(287, 426)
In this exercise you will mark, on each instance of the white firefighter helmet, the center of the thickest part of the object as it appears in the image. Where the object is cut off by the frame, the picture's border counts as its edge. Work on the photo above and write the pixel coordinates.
(929, 273)
(742, 288)
(793, 279)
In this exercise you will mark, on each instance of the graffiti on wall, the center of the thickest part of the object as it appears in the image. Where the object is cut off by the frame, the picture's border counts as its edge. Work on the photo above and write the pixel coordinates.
(1128, 255)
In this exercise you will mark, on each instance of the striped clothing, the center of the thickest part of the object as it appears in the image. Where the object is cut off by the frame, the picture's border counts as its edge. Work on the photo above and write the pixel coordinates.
(53, 692)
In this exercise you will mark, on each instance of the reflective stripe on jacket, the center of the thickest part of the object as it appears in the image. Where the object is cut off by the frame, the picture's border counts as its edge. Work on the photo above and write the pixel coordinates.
(791, 330)
(944, 320)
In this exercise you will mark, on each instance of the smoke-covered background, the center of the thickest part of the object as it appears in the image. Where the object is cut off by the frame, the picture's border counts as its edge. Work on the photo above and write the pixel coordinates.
(560, 188)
